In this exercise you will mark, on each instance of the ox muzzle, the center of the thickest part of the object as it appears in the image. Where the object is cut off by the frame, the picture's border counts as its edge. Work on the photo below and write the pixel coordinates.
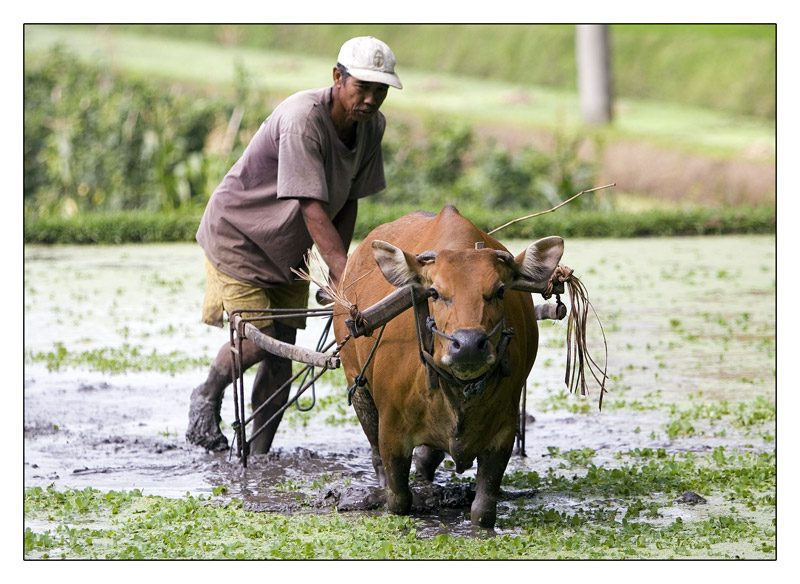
(471, 358)
(470, 351)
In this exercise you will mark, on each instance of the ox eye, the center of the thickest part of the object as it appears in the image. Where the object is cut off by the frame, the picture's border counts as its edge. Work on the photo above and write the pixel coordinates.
(434, 294)
(496, 295)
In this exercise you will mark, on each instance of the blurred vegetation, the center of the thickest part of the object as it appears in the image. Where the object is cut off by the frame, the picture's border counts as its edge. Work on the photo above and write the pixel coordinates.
(98, 141)
(729, 67)
(112, 157)
(112, 227)
(449, 165)
(136, 227)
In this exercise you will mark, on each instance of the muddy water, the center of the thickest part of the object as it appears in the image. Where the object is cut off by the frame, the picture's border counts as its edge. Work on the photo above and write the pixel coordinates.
(686, 320)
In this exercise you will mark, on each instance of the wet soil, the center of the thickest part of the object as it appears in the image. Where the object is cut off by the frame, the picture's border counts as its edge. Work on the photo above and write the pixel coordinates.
(82, 431)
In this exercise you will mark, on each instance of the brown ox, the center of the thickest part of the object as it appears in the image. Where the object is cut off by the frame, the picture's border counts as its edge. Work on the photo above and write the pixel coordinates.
(475, 298)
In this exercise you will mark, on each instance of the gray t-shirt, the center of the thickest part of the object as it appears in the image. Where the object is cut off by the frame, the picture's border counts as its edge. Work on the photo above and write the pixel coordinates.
(253, 228)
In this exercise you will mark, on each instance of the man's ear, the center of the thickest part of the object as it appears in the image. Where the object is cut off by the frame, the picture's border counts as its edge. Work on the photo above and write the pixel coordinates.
(398, 267)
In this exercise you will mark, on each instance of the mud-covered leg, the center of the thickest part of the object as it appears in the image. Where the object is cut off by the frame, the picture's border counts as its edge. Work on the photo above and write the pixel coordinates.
(272, 373)
(397, 465)
(368, 416)
(206, 400)
(491, 466)
(398, 493)
(426, 461)
(205, 406)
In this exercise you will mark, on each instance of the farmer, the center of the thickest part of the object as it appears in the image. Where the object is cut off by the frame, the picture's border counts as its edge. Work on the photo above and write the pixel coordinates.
(297, 183)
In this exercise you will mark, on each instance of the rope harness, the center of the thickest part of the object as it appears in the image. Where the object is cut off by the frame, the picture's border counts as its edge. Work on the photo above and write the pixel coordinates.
(360, 380)
(578, 357)
(470, 387)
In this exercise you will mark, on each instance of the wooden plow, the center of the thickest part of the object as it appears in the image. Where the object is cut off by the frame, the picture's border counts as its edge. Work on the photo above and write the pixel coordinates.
(377, 315)
(242, 328)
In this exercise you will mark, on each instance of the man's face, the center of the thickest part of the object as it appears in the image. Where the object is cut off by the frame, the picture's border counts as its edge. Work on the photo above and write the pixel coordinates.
(360, 99)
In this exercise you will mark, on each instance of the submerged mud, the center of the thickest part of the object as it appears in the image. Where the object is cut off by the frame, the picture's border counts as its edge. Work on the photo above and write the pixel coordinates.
(127, 433)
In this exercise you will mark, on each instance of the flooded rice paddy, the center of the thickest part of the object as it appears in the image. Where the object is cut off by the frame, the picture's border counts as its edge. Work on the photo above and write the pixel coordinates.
(114, 345)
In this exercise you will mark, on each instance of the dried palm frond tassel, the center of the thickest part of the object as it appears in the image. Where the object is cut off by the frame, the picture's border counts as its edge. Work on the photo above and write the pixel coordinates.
(323, 282)
(578, 357)
(315, 265)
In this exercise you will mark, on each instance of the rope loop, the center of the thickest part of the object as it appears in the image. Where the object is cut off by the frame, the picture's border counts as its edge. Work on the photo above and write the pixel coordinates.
(360, 380)
(431, 324)
(360, 321)
(561, 275)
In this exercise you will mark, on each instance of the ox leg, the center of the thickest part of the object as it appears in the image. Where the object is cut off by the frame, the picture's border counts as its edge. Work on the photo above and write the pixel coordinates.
(491, 466)
(398, 493)
(397, 464)
(272, 373)
(426, 461)
(368, 416)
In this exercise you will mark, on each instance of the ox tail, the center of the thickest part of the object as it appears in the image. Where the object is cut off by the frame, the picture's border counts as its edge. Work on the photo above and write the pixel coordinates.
(578, 357)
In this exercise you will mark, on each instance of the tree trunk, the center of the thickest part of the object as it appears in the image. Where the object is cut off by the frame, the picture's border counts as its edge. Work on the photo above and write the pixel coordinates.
(594, 72)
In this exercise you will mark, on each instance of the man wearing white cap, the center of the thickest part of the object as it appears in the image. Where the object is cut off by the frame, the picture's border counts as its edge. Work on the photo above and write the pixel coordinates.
(297, 183)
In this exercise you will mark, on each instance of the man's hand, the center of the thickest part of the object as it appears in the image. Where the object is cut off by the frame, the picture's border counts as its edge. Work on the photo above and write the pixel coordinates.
(324, 299)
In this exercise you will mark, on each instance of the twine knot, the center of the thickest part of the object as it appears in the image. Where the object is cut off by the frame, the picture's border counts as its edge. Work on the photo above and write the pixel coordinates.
(561, 275)
(359, 320)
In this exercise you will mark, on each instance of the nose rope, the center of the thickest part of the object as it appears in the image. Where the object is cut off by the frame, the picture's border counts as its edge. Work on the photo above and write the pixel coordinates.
(474, 386)
(431, 324)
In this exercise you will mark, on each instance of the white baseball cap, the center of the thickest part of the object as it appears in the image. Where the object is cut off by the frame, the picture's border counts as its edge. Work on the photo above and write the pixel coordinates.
(369, 59)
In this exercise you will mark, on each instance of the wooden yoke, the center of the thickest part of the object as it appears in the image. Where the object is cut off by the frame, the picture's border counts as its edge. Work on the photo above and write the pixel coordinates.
(382, 312)
(400, 300)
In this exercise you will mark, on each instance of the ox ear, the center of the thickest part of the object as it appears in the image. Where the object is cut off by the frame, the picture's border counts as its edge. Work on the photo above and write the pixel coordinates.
(398, 267)
(536, 264)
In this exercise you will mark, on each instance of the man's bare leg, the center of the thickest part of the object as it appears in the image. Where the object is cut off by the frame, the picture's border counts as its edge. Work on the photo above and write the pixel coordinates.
(272, 373)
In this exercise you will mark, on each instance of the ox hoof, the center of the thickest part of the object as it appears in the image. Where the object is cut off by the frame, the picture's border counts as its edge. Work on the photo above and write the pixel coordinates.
(483, 512)
(210, 438)
(398, 504)
(483, 517)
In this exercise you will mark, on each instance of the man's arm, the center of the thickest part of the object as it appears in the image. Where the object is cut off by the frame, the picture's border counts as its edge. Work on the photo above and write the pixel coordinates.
(345, 222)
(332, 238)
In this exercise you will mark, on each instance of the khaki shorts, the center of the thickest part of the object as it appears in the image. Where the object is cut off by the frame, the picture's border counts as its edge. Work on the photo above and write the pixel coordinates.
(226, 293)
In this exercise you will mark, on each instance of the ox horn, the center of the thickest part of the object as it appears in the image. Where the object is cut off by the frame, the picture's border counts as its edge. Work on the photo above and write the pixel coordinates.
(505, 257)
(426, 257)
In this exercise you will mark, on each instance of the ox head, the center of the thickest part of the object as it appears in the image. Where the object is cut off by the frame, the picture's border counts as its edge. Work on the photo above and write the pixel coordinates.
(467, 290)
